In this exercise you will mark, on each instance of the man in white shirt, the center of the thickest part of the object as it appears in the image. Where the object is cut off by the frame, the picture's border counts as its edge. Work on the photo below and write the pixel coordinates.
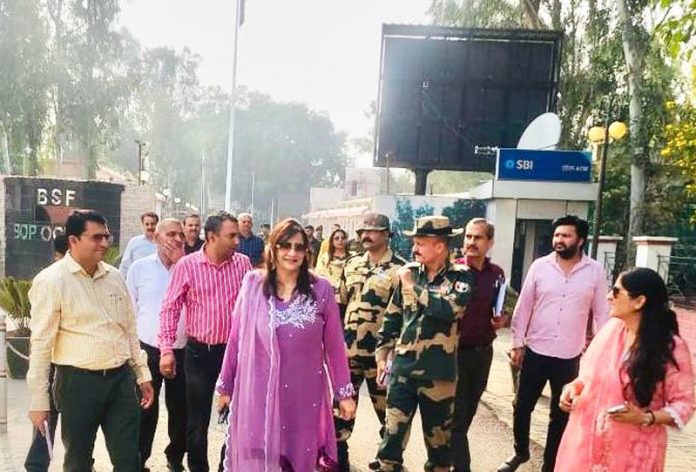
(147, 282)
(141, 245)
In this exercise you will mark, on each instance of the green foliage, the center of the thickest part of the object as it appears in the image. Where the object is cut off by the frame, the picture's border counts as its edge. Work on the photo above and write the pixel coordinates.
(405, 220)
(25, 78)
(462, 211)
(678, 27)
(113, 256)
(14, 300)
(476, 14)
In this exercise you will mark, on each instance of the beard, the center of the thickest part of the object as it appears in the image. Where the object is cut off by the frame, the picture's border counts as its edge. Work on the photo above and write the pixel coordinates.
(567, 252)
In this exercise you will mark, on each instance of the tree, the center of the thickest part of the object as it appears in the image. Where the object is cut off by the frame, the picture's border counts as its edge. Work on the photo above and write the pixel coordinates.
(90, 78)
(24, 78)
(680, 146)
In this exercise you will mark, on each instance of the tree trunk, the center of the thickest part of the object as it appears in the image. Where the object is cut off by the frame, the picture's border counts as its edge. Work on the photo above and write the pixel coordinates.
(634, 56)
(5, 148)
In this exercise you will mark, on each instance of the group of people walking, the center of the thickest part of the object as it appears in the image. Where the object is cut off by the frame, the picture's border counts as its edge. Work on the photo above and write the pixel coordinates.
(284, 349)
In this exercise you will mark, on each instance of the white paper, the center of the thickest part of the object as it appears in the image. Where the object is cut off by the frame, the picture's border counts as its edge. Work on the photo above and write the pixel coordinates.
(49, 444)
(500, 301)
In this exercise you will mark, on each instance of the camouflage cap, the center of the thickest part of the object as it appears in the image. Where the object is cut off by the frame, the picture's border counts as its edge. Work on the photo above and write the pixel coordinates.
(433, 226)
(374, 222)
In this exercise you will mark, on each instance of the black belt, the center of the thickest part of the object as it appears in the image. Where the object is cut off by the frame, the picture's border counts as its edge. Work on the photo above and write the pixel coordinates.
(199, 345)
(98, 373)
(480, 347)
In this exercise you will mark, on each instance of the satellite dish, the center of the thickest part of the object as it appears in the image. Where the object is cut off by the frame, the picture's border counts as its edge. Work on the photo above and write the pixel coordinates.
(542, 133)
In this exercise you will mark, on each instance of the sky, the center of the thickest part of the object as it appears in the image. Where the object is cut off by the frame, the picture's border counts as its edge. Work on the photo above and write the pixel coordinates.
(324, 53)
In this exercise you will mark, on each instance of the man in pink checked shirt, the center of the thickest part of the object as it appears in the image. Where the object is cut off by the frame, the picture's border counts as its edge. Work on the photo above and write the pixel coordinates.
(206, 284)
(549, 329)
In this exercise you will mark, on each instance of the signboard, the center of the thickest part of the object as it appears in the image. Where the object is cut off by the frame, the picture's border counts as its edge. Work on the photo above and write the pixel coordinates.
(548, 166)
(445, 91)
(36, 210)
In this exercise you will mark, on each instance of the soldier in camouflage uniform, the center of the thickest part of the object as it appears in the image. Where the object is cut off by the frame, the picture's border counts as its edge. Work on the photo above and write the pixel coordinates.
(420, 334)
(366, 287)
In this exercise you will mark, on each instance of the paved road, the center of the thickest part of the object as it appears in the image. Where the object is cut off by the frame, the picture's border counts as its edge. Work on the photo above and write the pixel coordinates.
(491, 438)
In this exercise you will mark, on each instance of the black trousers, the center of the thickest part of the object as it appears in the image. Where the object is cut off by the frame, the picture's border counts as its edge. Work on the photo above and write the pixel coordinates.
(38, 458)
(202, 366)
(535, 372)
(88, 400)
(175, 400)
(473, 366)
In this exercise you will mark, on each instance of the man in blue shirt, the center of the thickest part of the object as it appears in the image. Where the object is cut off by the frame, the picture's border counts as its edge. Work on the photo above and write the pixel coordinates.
(249, 244)
(141, 245)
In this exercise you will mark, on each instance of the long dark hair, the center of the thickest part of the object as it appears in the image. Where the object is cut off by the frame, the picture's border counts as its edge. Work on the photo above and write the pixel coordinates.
(282, 232)
(653, 350)
(332, 247)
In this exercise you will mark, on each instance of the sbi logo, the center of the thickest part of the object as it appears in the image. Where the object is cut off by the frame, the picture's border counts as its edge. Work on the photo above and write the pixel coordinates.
(520, 164)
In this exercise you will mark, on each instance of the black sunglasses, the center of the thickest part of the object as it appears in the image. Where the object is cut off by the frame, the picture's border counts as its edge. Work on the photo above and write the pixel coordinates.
(286, 246)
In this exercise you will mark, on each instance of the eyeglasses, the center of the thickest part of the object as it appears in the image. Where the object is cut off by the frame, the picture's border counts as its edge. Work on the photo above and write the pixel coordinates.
(286, 246)
(339, 238)
(98, 237)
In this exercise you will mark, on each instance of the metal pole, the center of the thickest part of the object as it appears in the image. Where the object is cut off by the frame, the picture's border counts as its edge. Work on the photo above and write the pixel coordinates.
(202, 207)
(253, 183)
(3, 374)
(140, 161)
(230, 137)
(602, 177)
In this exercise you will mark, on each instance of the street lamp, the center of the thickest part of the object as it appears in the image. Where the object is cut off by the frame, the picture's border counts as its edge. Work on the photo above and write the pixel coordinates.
(599, 136)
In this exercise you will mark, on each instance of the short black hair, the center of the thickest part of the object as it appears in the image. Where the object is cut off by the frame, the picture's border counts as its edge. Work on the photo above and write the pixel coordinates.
(582, 227)
(309, 227)
(77, 221)
(214, 222)
(151, 214)
(192, 215)
(60, 244)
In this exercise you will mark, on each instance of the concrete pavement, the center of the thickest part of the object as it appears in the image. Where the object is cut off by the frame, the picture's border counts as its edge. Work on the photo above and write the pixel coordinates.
(490, 436)
(488, 439)
(499, 395)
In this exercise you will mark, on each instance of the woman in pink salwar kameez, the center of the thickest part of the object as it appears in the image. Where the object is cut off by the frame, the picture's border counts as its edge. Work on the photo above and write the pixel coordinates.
(635, 379)
(285, 360)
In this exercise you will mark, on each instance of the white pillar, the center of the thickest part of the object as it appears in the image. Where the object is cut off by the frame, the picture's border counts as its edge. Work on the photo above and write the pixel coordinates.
(606, 252)
(3, 374)
(502, 212)
(654, 252)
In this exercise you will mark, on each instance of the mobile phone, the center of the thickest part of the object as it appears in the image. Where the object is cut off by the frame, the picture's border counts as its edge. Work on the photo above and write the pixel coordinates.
(617, 409)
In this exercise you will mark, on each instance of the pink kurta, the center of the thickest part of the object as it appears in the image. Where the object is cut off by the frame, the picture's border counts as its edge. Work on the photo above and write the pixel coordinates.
(592, 441)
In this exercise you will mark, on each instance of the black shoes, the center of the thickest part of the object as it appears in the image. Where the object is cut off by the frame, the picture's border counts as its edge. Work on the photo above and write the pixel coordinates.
(174, 467)
(512, 463)
(374, 465)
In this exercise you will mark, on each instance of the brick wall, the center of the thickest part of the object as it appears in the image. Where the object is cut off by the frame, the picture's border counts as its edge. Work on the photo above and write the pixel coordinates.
(135, 200)
(687, 328)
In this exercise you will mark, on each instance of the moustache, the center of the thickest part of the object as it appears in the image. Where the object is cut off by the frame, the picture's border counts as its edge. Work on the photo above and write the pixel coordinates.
(366, 240)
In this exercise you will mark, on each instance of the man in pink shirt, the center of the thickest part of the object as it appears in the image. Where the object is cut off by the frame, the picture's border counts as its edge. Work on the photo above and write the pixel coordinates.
(205, 284)
(549, 330)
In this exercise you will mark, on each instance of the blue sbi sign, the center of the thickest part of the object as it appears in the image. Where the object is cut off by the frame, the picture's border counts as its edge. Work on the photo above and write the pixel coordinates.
(559, 166)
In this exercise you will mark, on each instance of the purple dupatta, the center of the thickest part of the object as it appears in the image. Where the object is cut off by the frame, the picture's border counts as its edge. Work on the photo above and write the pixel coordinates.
(250, 374)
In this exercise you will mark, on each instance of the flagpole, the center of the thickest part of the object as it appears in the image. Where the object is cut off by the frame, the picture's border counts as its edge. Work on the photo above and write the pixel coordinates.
(230, 137)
